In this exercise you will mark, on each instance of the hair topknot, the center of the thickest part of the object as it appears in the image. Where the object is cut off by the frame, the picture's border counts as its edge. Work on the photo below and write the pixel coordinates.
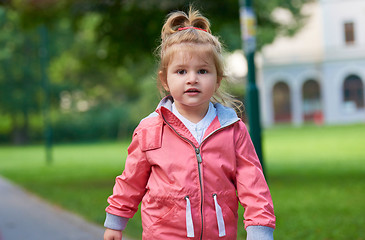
(180, 19)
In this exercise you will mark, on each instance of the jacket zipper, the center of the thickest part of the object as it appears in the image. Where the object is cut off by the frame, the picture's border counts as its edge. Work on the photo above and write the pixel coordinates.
(200, 160)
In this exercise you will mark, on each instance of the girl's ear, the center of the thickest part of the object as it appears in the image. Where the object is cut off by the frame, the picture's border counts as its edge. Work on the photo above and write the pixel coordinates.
(163, 79)
(219, 79)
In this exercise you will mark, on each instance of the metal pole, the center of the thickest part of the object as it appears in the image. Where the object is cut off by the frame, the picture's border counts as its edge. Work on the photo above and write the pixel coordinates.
(43, 54)
(248, 29)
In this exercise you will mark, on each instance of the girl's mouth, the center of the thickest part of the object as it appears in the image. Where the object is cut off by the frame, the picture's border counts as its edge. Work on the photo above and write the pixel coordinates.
(192, 90)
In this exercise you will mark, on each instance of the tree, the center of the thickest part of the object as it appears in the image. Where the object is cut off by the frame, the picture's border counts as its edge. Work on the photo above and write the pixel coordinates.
(130, 29)
(103, 49)
(19, 90)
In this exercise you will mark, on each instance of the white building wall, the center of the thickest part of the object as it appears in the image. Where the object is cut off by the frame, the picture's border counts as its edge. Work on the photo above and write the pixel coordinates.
(334, 14)
(294, 76)
(326, 58)
(335, 73)
(341, 59)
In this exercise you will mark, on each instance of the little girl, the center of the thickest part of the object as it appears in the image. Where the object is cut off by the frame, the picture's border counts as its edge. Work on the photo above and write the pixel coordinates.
(191, 161)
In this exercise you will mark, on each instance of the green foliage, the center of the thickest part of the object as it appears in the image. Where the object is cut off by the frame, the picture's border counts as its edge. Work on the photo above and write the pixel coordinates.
(131, 28)
(103, 52)
(80, 120)
(315, 174)
(19, 76)
(21, 87)
(78, 68)
(5, 128)
(101, 123)
(17, 88)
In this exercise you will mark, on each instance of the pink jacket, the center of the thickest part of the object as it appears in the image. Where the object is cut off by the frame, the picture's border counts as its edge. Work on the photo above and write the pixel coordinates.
(192, 190)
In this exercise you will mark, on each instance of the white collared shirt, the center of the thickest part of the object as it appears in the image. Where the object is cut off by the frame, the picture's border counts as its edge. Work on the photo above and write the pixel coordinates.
(197, 129)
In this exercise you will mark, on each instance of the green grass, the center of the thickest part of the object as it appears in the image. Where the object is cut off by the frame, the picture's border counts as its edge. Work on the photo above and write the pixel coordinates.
(316, 176)
(317, 180)
(80, 177)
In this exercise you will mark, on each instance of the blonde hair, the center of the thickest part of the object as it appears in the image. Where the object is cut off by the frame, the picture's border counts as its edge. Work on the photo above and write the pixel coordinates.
(196, 30)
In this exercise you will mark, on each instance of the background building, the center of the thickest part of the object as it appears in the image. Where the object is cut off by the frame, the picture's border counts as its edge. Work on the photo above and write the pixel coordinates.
(319, 74)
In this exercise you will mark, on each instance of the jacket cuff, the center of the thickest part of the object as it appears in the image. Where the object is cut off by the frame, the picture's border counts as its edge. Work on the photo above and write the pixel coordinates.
(260, 233)
(115, 222)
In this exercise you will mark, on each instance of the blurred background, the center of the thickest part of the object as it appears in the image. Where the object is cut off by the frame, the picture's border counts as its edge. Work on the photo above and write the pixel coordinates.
(82, 65)
(76, 77)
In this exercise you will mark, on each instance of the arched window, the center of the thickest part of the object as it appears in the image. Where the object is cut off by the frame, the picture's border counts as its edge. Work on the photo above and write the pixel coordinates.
(353, 92)
(281, 101)
(311, 100)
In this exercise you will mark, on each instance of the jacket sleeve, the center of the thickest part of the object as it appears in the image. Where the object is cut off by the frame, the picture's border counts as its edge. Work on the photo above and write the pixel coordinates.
(115, 222)
(253, 192)
(130, 187)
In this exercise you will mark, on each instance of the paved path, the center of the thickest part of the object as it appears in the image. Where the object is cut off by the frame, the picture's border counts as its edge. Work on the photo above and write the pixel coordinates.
(25, 216)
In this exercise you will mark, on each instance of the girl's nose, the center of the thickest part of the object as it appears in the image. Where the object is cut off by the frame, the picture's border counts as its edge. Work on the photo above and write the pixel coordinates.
(192, 78)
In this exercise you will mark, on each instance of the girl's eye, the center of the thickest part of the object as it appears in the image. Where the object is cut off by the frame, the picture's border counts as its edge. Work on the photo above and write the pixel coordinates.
(181, 72)
(202, 71)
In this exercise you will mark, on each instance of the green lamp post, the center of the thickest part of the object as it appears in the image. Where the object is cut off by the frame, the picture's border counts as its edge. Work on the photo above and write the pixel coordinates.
(248, 29)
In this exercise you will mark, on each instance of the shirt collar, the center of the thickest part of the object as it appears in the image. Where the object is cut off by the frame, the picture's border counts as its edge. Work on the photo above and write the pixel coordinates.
(202, 124)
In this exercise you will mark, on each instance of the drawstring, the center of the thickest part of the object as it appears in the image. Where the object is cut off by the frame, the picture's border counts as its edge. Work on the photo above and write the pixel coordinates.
(220, 220)
(189, 219)
(219, 214)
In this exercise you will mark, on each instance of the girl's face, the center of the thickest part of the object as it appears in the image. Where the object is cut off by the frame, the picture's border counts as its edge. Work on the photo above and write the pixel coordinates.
(191, 79)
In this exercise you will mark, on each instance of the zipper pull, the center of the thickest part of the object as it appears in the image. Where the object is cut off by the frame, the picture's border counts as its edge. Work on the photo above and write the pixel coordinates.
(198, 156)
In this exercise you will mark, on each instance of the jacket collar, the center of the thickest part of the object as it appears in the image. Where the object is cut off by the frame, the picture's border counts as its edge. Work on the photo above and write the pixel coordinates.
(226, 115)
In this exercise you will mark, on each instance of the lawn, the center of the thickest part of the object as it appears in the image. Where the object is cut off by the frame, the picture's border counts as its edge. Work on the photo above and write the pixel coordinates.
(317, 179)
(316, 176)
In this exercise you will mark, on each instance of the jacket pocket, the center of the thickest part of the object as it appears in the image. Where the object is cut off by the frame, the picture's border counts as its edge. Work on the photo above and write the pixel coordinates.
(165, 219)
(155, 211)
